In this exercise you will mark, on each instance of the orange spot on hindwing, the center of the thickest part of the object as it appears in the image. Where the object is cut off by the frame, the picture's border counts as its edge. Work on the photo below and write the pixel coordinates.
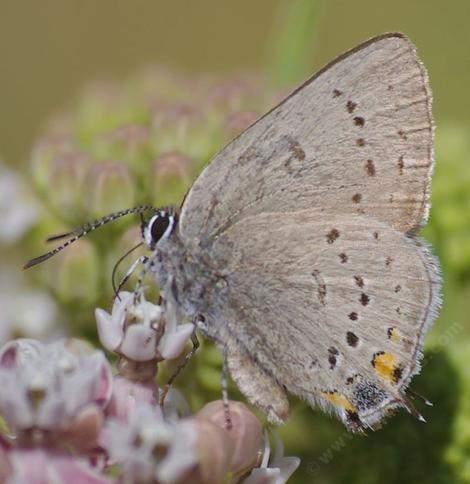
(387, 366)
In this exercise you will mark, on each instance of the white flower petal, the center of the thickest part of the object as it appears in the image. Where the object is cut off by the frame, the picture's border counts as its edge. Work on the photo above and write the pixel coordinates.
(264, 476)
(172, 344)
(109, 331)
(139, 343)
(288, 466)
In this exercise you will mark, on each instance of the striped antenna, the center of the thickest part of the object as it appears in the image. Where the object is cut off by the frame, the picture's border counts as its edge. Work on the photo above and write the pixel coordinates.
(83, 230)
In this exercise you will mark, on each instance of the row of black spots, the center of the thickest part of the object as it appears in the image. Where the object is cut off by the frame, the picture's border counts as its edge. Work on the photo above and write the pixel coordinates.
(370, 165)
(358, 121)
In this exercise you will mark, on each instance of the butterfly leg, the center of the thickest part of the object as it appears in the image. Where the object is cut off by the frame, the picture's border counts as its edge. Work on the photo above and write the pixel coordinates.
(148, 263)
(140, 260)
(224, 385)
(179, 368)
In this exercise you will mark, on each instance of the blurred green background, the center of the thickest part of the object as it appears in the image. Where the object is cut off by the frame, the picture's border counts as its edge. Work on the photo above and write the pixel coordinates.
(50, 50)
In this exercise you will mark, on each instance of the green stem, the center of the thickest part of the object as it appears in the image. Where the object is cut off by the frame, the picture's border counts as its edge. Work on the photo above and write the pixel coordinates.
(291, 45)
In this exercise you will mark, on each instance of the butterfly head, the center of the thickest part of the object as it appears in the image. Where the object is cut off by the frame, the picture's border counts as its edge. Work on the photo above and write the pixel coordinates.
(159, 227)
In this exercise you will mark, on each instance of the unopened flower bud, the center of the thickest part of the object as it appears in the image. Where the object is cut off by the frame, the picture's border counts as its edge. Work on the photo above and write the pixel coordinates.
(74, 275)
(178, 127)
(128, 143)
(108, 185)
(214, 449)
(246, 431)
(170, 178)
(46, 156)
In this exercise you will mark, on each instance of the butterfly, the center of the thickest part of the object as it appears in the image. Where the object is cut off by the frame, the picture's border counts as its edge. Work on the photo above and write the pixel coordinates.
(296, 248)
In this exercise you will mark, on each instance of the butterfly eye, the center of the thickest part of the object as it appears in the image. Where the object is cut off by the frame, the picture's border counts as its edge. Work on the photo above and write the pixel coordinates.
(159, 226)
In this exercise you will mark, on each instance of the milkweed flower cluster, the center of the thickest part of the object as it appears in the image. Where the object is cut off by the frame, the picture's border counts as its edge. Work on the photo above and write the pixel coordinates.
(69, 417)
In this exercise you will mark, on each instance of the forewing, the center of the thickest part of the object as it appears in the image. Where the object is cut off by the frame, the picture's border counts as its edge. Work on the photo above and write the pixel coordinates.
(334, 308)
(354, 139)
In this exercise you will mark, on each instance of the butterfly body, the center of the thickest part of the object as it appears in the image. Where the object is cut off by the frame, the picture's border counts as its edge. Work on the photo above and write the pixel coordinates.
(186, 273)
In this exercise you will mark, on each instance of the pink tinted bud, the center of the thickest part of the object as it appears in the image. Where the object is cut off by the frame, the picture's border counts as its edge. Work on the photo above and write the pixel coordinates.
(108, 185)
(181, 128)
(74, 274)
(128, 143)
(65, 182)
(214, 449)
(246, 432)
(170, 175)
(44, 156)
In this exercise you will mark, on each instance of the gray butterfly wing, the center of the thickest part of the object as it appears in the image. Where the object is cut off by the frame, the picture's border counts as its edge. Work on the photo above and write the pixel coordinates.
(356, 138)
(331, 308)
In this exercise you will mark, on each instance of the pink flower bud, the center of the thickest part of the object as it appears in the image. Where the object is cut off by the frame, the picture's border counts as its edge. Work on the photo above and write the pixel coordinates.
(108, 185)
(128, 143)
(246, 432)
(214, 449)
(170, 174)
(74, 274)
